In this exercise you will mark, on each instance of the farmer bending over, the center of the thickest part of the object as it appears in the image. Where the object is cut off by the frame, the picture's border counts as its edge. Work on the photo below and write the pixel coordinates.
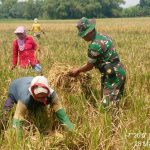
(31, 93)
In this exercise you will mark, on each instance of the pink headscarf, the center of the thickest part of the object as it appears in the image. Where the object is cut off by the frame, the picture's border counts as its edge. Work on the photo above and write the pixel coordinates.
(21, 43)
(20, 29)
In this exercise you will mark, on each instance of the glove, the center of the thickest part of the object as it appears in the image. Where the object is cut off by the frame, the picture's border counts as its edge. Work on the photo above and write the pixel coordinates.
(63, 118)
(17, 124)
(37, 68)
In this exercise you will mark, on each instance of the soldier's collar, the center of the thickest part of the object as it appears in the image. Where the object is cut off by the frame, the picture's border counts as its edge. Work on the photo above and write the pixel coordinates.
(96, 34)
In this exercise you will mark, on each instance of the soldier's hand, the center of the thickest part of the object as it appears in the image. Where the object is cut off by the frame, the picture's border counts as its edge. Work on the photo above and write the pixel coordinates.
(74, 72)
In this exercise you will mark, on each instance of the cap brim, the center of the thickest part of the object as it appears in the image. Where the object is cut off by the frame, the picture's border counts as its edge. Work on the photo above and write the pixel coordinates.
(40, 90)
(16, 32)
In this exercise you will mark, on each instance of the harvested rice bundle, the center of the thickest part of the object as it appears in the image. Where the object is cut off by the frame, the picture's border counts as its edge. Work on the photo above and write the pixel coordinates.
(59, 77)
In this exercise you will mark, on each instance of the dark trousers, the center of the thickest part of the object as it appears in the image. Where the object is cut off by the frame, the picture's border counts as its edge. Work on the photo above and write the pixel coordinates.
(9, 103)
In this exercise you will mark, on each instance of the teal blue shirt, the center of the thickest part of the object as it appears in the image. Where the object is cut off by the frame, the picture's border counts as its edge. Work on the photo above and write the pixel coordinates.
(19, 90)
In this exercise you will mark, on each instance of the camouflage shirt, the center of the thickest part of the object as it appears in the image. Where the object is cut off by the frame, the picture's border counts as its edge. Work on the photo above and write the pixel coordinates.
(101, 51)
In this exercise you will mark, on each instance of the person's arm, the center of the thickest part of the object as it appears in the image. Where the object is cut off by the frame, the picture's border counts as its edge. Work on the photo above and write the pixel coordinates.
(14, 55)
(60, 113)
(94, 52)
(32, 28)
(35, 46)
(18, 118)
(87, 67)
(40, 29)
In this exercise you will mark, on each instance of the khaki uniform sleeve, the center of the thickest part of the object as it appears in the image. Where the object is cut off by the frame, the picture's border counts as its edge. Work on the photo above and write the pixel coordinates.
(20, 112)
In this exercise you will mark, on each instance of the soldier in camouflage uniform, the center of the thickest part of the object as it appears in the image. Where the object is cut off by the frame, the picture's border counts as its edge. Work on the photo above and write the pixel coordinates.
(103, 56)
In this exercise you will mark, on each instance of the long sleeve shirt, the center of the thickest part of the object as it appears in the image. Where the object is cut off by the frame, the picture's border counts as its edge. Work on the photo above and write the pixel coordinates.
(26, 55)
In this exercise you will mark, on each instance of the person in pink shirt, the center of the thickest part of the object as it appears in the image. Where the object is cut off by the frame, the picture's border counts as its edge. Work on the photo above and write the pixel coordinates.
(24, 48)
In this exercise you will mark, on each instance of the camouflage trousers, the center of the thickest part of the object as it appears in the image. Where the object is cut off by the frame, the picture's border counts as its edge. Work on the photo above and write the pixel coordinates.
(112, 86)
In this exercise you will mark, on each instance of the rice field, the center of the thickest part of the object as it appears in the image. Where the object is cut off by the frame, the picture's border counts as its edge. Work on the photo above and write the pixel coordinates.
(94, 130)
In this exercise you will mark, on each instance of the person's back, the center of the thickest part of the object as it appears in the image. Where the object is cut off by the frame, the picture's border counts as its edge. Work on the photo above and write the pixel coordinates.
(102, 45)
(31, 93)
(36, 28)
(19, 91)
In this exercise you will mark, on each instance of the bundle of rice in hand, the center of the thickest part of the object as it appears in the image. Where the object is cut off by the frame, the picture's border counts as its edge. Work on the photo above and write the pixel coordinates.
(59, 77)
